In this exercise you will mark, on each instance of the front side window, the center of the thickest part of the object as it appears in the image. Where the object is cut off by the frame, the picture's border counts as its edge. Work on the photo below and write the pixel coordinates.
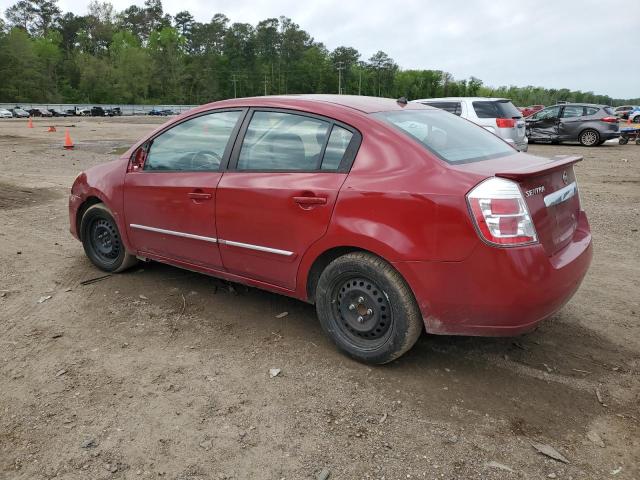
(551, 112)
(451, 138)
(451, 107)
(572, 111)
(283, 141)
(193, 145)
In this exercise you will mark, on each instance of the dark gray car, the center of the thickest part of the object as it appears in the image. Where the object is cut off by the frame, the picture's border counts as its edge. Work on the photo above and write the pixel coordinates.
(588, 124)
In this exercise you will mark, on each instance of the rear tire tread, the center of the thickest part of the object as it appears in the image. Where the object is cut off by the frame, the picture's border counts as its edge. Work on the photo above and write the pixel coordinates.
(403, 300)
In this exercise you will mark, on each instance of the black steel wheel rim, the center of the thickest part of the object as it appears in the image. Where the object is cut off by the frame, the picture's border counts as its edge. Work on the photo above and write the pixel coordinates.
(105, 240)
(361, 311)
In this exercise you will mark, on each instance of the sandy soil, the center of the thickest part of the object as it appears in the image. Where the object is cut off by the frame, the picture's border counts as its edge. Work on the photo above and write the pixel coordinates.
(163, 373)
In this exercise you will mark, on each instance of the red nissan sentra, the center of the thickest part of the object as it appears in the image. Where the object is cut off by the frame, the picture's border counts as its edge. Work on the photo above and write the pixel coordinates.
(390, 217)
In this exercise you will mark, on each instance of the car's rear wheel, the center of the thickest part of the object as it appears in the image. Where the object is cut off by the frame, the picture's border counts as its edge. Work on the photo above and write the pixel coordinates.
(102, 241)
(589, 137)
(623, 140)
(636, 119)
(367, 309)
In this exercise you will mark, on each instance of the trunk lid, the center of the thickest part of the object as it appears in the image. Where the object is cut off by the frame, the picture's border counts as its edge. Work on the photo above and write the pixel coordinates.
(550, 191)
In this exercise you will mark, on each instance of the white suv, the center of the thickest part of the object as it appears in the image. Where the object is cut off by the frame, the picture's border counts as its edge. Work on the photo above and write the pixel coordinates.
(498, 115)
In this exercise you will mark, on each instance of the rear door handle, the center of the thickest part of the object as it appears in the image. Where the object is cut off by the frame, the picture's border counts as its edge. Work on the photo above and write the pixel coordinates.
(199, 195)
(308, 201)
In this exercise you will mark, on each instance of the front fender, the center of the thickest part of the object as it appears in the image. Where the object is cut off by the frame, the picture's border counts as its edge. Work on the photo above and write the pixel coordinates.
(104, 182)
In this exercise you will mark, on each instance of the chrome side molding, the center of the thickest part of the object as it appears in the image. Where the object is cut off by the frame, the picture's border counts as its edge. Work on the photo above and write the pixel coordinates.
(561, 195)
(174, 233)
(231, 243)
(258, 248)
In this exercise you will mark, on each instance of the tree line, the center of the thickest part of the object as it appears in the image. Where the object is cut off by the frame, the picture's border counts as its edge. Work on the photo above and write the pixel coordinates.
(144, 55)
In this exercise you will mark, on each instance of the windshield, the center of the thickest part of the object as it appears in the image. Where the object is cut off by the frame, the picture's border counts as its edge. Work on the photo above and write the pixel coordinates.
(451, 138)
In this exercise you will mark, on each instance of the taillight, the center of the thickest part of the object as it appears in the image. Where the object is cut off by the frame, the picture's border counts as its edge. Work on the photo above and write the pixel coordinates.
(505, 122)
(609, 119)
(501, 214)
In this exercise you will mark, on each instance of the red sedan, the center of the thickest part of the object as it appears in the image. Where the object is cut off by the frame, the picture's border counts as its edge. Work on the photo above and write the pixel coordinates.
(390, 217)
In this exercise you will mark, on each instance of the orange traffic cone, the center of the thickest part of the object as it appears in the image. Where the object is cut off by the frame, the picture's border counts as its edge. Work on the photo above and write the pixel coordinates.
(629, 120)
(68, 143)
(30, 123)
(51, 129)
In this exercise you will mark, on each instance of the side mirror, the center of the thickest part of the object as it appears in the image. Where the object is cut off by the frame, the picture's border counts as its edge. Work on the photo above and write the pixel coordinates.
(136, 162)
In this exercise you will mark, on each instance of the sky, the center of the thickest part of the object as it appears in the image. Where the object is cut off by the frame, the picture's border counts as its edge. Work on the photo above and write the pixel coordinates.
(575, 44)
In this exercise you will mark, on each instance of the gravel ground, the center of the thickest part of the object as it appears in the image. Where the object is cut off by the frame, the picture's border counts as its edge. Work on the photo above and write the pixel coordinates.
(163, 373)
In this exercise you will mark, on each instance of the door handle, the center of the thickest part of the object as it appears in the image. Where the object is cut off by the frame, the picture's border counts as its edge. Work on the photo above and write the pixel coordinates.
(308, 201)
(199, 195)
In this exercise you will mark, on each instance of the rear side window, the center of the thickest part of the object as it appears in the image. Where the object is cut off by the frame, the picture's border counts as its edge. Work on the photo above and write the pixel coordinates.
(496, 109)
(282, 141)
(451, 138)
(572, 111)
(451, 107)
(336, 147)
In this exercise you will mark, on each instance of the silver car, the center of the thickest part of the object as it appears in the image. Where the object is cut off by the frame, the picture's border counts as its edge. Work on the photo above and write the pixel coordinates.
(498, 115)
(589, 124)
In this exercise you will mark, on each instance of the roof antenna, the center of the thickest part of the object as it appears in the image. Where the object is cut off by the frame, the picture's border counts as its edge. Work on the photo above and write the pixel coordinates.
(402, 100)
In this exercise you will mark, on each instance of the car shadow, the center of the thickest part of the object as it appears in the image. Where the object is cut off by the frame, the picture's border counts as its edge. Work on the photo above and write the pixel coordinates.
(542, 383)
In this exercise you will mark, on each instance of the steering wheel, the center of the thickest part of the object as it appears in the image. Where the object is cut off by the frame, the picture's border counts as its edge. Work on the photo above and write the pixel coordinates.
(205, 160)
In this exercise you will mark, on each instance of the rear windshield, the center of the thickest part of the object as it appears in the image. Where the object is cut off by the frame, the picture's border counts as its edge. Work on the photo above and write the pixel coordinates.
(608, 110)
(496, 109)
(451, 138)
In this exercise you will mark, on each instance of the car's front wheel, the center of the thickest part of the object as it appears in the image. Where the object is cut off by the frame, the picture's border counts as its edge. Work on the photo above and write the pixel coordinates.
(589, 138)
(367, 309)
(102, 241)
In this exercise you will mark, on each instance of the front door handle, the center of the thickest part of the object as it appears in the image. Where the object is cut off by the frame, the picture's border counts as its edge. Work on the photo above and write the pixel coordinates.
(200, 196)
(310, 201)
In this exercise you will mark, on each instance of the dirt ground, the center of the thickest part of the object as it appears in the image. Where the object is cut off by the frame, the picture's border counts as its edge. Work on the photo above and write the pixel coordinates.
(163, 373)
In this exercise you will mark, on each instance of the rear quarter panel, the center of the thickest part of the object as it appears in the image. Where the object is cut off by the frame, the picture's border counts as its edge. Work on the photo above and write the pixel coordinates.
(400, 203)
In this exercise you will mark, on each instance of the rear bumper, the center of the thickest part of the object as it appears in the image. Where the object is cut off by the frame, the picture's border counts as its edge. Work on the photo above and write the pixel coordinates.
(609, 135)
(523, 145)
(498, 291)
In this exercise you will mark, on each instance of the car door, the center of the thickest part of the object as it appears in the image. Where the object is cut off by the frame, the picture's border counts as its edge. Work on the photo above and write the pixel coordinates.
(543, 125)
(277, 197)
(170, 187)
(571, 120)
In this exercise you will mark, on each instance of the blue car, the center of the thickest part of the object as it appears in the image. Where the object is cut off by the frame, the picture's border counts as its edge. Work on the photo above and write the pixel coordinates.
(624, 111)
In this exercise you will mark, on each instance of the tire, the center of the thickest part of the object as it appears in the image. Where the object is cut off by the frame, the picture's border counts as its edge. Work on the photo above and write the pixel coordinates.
(102, 241)
(636, 119)
(589, 137)
(623, 140)
(367, 309)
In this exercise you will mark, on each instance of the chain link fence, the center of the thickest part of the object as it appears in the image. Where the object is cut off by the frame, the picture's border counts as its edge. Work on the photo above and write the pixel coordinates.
(127, 110)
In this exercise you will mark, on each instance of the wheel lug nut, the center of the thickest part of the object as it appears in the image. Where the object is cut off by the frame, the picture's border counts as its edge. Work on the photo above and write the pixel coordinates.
(360, 319)
(369, 311)
(352, 306)
(361, 300)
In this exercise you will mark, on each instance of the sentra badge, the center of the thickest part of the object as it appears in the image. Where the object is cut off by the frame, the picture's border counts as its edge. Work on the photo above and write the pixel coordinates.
(535, 191)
